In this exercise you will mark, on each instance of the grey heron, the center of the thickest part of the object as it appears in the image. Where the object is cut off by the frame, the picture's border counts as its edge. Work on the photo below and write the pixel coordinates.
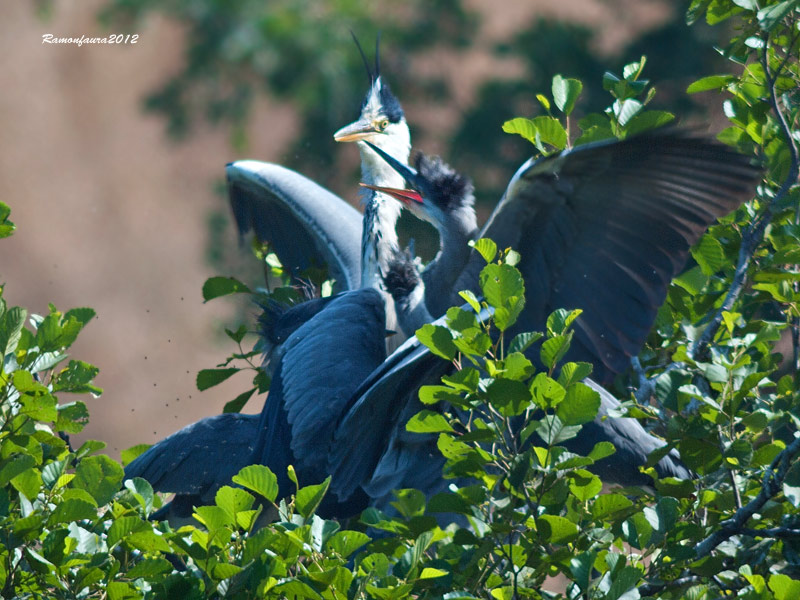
(307, 226)
(659, 192)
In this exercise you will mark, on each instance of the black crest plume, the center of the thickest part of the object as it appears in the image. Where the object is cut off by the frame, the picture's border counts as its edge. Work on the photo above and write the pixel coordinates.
(452, 190)
(372, 77)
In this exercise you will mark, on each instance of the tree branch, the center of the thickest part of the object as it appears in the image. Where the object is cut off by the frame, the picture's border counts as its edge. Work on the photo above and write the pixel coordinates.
(755, 233)
(773, 479)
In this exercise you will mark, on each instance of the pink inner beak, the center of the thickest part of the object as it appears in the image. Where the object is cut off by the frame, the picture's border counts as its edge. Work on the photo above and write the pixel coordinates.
(405, 196)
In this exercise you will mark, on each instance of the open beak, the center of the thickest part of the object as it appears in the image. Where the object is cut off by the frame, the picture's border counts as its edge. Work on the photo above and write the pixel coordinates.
(407, 197)
(355, 132)
(408, 173)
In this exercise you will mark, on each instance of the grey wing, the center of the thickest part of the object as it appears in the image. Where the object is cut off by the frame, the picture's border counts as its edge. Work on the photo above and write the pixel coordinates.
(306, 224)
(200, 458)
(374, 415)
(323, 364)
(605, 227)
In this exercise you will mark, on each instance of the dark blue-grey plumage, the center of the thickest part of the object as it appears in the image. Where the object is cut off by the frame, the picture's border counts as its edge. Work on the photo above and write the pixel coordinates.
(194, 462)
(307, 225)
(605, 227)
(322, 363)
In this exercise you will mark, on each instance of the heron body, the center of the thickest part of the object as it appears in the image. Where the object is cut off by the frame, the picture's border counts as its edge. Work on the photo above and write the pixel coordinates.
(608, 225)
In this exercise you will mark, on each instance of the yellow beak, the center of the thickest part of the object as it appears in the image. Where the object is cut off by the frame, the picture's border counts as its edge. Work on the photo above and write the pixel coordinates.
(355, 132)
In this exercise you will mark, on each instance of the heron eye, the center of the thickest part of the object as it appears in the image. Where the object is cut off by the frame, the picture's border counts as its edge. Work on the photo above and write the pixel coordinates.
(383, 125)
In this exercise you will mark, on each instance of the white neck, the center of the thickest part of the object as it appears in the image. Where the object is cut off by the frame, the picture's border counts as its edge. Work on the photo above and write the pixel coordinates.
(378, 238)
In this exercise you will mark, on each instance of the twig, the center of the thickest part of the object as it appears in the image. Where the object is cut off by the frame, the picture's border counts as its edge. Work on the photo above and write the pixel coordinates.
(773, 479)
(775, 532)
(653, 589)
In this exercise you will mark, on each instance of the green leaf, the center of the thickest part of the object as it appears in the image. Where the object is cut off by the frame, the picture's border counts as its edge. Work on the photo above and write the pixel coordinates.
(509, 396)
(565, 93)
(259, 479)
(554, 349)
(471, 299)
(517, 366)
(346, 542)
(310, 497)
(713, 82)
(523, 341)
(149, 568)
(238, 335)
(772, 15)
(647, 120)
(486, 248)
(556, 530)
(538, 130)
(503, 287)
(521, 126)
(72, 509)
(72, 417)
(546, 391)
(584, 485)
(784, 587)
(709, 254)
(215, 287)
(433, 394)
(214, 518)
(560, 320)
(208, 378)
(608, 504)
(543, 101)
(625, 110)
(11, 329)
(602, 450)
(438, 339)
(6, 226)
(427, 421)
(100, 476)
(233, 501)
(579, 406)
(431, 573)
(448, 502)
(573, 372)
(237, 404)
(77, 379)
(700, 455)
(29, 482)
(551, 131)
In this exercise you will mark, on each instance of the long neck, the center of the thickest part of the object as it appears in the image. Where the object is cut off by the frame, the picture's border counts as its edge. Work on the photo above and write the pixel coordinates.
(378, 237)
(441, 273)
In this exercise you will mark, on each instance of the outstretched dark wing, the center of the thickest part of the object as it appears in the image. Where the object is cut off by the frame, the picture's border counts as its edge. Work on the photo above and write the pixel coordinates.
(200, 458)
(374, 416)
(306, 224)
(605, 227)
(322, 363)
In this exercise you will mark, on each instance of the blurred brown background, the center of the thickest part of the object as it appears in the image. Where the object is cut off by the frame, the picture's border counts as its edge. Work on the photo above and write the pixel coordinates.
(112, 213)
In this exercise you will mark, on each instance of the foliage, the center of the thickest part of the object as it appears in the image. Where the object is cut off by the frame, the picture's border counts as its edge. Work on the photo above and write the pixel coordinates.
(70, 527)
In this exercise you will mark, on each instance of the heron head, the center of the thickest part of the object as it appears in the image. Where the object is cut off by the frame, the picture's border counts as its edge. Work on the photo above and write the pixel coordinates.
(381, 120)
(438, 192)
